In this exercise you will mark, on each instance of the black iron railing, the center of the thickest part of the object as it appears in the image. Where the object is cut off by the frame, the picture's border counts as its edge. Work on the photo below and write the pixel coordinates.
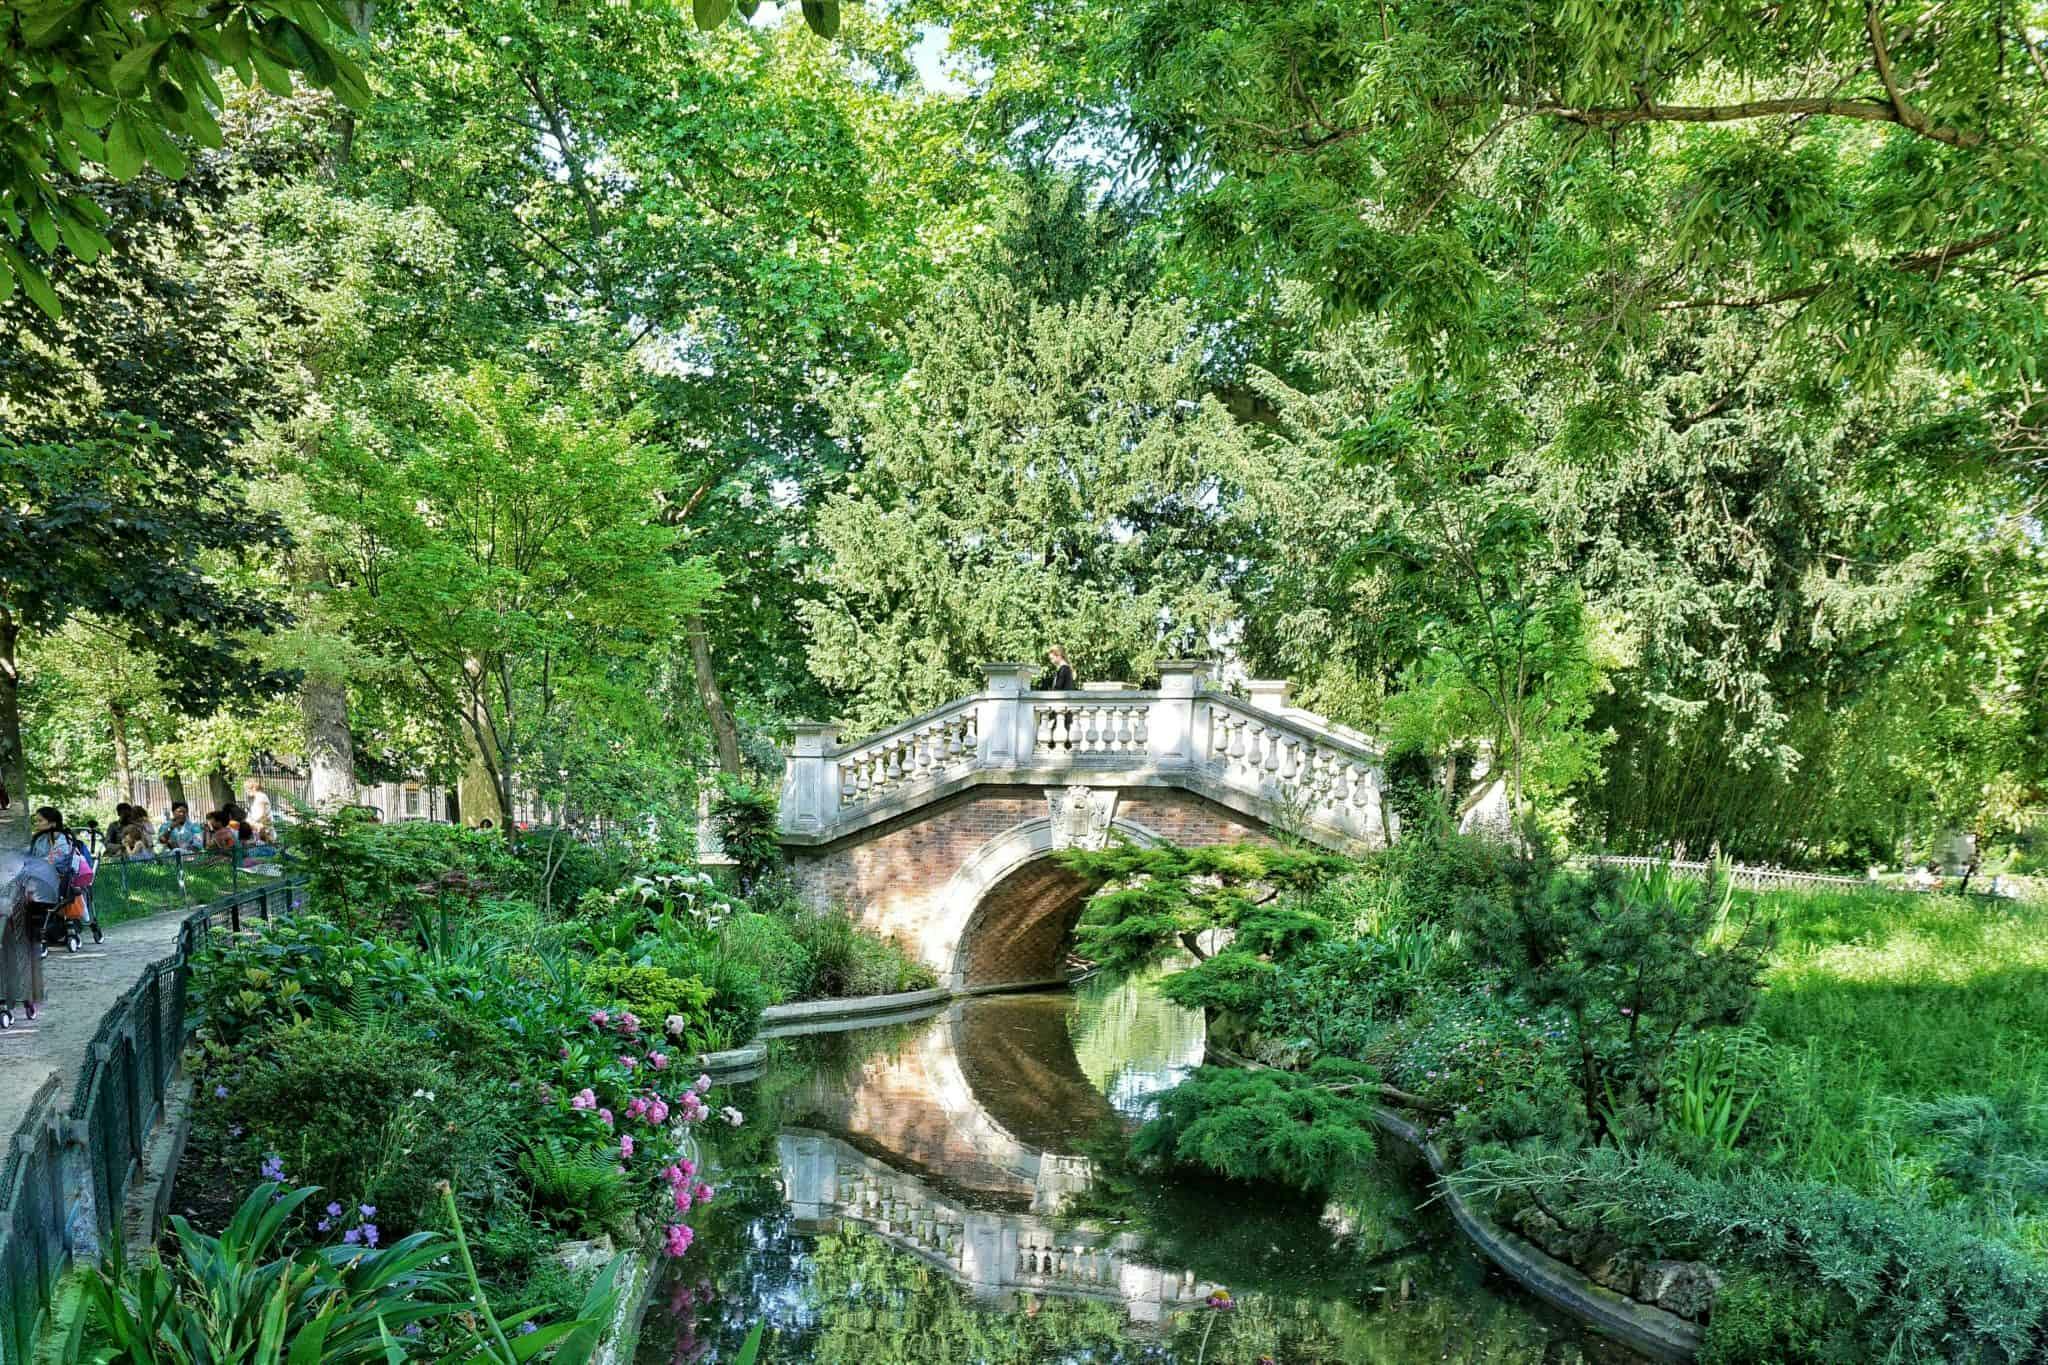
(65, 1178)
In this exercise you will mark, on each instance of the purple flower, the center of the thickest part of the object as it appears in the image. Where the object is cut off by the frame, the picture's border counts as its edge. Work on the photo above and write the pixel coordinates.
(527, 1329)
(273, 1168)
(220, 1092)
(369, 1210)
(369, 1234)
(353, 1236)
(334, 1210)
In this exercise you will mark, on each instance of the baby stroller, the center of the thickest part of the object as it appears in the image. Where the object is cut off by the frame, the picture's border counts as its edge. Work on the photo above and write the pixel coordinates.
(77, 912)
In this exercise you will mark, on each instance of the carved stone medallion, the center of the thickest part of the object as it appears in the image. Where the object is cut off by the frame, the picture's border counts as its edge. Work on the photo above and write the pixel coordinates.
(1081, 816)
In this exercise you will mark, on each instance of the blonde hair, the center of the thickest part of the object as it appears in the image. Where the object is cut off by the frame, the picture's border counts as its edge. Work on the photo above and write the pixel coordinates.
(1058, 652)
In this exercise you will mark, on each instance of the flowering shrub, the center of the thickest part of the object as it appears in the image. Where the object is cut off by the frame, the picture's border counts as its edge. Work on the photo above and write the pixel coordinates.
(641, 1105)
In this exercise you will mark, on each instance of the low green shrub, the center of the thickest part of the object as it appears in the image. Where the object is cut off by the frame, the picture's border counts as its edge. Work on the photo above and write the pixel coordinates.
(649, 992)
(1902, 1281)
(846, 961)
(369, 1118)
(1305, 1130)
(1757, 1319)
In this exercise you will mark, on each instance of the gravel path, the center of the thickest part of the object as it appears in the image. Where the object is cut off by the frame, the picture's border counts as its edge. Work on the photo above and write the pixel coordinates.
(80, 986)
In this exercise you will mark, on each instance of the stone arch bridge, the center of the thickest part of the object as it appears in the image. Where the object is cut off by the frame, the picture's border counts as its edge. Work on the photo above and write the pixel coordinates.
(940, 832)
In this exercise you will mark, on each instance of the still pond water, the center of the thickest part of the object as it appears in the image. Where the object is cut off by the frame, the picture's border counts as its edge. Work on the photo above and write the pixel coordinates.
(933, 1192)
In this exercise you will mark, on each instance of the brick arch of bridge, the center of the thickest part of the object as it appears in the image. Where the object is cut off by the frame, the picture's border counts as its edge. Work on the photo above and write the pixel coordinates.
(969, 885)
(1025, 906)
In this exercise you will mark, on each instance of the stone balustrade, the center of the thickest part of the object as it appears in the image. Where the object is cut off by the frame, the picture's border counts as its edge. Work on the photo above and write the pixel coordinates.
(989, 1252)
(1258, 754)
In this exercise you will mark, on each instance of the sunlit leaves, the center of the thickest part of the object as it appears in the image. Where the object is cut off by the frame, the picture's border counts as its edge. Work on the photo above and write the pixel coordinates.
(96, 83)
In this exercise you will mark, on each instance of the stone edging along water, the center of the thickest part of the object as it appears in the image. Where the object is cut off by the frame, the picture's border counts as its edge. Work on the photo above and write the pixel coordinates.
(1642, 1328)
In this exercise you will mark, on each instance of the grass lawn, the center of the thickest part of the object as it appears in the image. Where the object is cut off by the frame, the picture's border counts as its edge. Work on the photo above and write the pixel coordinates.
(1904, 1051)
(125, 891)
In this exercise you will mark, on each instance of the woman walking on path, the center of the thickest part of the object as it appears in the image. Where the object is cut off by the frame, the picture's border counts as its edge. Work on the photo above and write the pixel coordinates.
(26, 902)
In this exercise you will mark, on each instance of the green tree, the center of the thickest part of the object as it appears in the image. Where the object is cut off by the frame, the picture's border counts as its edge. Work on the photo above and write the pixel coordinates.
(508, 536)
(122, 531)
(1044, 473)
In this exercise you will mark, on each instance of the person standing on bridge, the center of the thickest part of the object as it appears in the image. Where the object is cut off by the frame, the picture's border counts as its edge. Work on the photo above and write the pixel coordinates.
(1062, 671)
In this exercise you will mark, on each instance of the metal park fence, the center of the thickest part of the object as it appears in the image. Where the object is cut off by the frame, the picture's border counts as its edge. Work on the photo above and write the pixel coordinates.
(65, 1178)
(1743, 878)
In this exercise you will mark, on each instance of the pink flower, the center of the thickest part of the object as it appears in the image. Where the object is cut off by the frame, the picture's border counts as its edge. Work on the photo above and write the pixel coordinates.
(704, 1193)
(628, 1023)
(673, 1174)
(606, 1115)
(626, 1145)
(687, 1167)
(600, 1018)
(679, 1238)
(586, 1098)
(676, 1024)
(636, 1108)
(658, 1060)
(657, 1113)
(626, 1061)
(703, 1084)
(732, 1116)
(682, 1197)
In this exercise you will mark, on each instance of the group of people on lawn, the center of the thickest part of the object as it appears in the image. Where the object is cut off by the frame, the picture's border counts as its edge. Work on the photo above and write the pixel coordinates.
(231, 829)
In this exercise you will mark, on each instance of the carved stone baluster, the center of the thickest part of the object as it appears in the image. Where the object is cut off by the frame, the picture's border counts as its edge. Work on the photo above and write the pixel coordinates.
(1141, 733)
(1290, 759)
(1091, 733)
(1240, 740)
(1044, 739)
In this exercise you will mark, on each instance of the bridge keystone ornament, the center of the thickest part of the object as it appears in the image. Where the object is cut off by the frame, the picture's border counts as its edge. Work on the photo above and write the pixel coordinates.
(1081, 816)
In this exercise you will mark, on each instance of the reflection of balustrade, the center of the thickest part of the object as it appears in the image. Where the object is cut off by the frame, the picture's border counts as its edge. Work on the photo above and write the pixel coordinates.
(1294, 767)
(991, 1252)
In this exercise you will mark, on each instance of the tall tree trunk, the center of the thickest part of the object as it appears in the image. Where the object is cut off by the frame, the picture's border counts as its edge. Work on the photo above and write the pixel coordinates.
(124, 767)
(725, 735)
(330, 747)
(478, 792)
(13, 758)
(218, 786)
(174, 787)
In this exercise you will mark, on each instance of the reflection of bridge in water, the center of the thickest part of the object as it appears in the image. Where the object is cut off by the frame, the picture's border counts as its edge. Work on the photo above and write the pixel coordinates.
(961, 1148)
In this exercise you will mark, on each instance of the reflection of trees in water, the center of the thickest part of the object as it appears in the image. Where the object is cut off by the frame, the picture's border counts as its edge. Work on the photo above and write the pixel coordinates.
(880, 1306)
(1131, 1042)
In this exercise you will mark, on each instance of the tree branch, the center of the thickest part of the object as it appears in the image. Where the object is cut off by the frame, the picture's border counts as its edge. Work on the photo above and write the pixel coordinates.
(1913, 262)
